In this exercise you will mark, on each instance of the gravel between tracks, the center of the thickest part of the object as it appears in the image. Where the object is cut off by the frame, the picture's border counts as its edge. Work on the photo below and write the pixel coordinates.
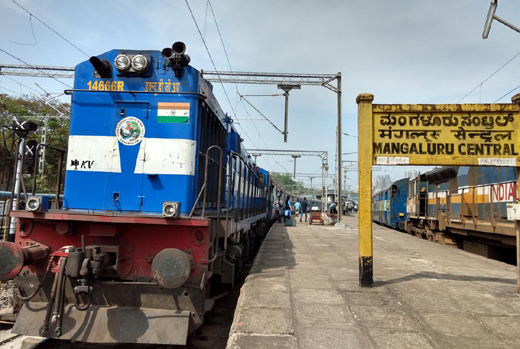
(6, 295)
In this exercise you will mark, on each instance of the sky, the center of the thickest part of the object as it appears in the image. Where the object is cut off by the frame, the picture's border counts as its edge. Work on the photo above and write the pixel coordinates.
(402, 51)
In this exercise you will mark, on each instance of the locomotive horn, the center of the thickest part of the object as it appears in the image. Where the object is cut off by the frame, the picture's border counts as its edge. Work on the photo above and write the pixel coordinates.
(176, 54)
(177, 57)
(167, 52)
(179, 48)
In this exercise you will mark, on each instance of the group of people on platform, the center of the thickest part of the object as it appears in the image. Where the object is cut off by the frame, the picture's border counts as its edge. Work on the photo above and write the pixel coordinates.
(284, 209)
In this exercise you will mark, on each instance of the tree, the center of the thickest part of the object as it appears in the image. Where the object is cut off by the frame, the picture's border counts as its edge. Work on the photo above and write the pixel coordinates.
(26, 108)
(290, 185)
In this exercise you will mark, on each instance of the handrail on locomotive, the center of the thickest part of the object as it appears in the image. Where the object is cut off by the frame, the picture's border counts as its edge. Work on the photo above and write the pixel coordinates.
(62, 152)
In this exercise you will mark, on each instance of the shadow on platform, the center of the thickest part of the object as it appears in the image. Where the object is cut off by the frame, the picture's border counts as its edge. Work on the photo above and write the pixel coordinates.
(439, 276)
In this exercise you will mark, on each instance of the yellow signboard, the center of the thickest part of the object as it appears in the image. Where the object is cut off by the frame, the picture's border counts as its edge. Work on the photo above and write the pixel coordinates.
(435, 135)
(446, 134)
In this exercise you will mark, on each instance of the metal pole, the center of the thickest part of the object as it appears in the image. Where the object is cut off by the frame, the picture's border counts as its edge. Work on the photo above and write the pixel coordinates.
(41, 164)
(340, 204)
(286, 127)
(322, 187)
(17, 185)
(507, 24)
(58, 185)
(295, 157)
(344, 180)
(517, 224)
(326, 187)
(365, 155)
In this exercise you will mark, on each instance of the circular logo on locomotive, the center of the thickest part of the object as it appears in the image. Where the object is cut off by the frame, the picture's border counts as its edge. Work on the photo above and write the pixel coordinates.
(130, 131)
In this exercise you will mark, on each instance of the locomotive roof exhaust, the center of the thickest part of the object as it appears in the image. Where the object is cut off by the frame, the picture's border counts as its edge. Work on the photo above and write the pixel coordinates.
(103, 67)
(176, 57)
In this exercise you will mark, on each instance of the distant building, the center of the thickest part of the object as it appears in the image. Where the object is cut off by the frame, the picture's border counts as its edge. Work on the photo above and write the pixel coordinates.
(381, 182)
(411, 173)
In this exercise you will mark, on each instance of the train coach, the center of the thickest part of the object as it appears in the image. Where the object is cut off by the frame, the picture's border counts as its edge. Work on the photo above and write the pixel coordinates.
(389, 205)
(465, 207)
(161, 204)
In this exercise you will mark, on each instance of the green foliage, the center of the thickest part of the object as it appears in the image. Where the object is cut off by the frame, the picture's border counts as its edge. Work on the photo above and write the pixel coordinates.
(22, 109)
(289, 184)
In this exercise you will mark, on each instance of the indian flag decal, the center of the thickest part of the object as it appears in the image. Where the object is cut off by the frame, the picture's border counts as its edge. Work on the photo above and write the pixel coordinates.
(177, 113)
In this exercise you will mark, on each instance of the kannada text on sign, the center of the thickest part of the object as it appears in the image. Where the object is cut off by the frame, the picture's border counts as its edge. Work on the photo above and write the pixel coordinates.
(466, 134)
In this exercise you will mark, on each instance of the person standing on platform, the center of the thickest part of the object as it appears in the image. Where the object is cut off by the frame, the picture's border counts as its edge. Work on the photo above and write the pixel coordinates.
(304, 209)
(287, 208)
(297, 206)
(333, 208)
(278, 206)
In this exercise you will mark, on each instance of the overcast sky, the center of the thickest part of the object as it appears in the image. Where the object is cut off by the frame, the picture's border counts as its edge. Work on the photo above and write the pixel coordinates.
(402, 51)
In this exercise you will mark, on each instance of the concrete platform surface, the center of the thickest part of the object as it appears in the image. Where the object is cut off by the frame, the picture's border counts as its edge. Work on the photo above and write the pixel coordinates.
(303, 292)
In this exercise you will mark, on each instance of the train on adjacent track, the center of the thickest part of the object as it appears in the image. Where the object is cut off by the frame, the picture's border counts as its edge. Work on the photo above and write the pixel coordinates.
(462, 206)
(162, 204)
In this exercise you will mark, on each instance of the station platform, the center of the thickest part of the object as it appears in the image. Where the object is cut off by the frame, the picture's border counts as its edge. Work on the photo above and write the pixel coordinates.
(303, 292)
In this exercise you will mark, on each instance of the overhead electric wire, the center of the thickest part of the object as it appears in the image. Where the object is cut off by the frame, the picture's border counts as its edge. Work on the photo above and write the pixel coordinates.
(32, 30)
(7, 89)
(45, 101)
(259, 112)
(516, 88)
(220, 80)
(54, 31)
(214, 67)
(259, 135)
(220, 35)
(223, 46)
(266, 95)
(236, 85)
(20, 94)
(210, 57)
(19, 83)
(489, 77)
(221, 83)
(206, 18)
(41, 71)
(229, 62)
(245, 133)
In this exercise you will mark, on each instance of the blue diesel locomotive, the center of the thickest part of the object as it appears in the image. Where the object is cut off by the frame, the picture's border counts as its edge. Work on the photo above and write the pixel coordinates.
(389, 205)
(161, 202)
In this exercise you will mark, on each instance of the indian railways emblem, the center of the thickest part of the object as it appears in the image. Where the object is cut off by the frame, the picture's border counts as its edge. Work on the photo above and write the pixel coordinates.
(130, 131)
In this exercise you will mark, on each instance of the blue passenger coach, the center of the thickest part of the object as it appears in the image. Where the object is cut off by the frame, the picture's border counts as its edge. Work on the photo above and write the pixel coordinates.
(389, 205)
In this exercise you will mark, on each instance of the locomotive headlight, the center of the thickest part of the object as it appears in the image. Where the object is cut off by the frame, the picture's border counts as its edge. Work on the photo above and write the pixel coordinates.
(139, 63)
(33, 204)
(170, 209)
(37, 204)
(122, 62)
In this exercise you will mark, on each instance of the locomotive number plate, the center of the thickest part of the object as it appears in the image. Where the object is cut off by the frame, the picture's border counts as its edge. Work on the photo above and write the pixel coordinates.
(108, 85)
